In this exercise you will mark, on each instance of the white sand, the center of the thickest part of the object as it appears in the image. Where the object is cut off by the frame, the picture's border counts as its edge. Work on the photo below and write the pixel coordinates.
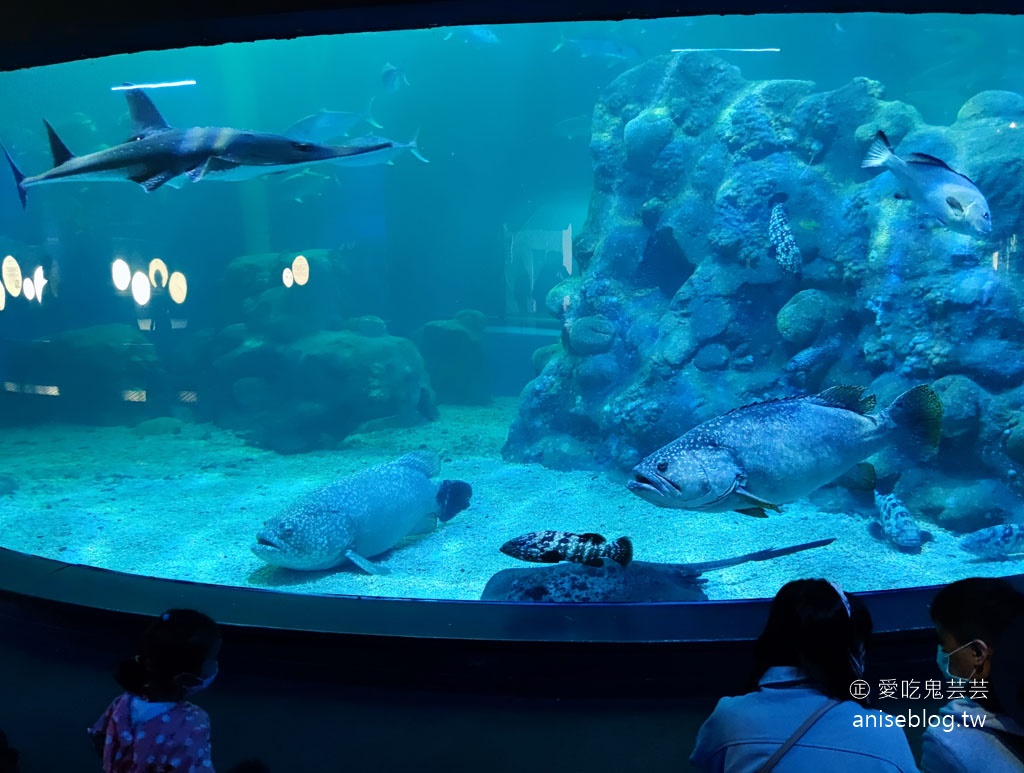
(188, 507)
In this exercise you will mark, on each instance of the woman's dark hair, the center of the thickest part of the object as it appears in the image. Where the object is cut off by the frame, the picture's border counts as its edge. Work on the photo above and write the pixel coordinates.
(808, 627)
(176, 643)
(990, 609)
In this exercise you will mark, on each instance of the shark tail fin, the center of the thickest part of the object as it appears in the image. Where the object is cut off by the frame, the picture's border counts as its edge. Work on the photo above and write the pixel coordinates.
(58, 149)
(369, 115)
(414, 148)
(18, 177)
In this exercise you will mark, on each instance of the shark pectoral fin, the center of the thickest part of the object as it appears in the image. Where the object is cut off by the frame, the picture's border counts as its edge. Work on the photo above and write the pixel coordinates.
(367, 566)
(754, 512)
(195, 174)
(755, 501)
(153, 182)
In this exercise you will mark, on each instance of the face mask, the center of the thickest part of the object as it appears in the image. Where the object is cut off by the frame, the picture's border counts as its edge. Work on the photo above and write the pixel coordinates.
(942, 660)
(204, 683)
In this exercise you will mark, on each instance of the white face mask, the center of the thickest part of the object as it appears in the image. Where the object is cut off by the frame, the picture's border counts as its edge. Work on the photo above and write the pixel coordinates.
(942, 660)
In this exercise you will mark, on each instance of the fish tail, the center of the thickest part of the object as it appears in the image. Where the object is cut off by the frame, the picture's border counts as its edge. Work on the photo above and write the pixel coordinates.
(18, 177)
(562, 40)
(368, 116)
(919, 411)
(453, 497)
(621, 551)
(414, 148)
(880, 153)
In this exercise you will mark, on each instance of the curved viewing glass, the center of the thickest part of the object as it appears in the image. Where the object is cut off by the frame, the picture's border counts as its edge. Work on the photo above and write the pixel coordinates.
(417, 314)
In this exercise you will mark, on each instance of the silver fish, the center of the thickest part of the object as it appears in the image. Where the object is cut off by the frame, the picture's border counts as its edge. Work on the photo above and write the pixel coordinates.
(362, 515)
(896, 525)
(328, 125)
(762, 455)
(780, 236)
(393, 78)
(995, 541)
(939, 190)
(550, 547)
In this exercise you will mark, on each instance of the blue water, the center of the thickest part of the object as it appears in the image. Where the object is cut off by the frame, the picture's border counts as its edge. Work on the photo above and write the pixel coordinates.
(504, 120)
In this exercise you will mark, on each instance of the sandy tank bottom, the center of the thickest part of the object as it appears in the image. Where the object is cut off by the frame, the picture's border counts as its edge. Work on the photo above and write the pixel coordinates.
(188, 506)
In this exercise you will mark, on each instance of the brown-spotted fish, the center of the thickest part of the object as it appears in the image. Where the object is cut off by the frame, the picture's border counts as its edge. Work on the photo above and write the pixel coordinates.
(550, 547)
(763, 455)
(362, 515)
(896, 525)
(939, 190)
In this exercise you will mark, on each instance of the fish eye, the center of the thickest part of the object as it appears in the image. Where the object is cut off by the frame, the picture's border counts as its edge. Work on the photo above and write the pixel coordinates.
(662, 466)
(987, 216)
(304, 146)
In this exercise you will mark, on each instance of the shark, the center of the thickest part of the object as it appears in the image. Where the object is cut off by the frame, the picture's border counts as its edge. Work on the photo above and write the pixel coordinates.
(159, 154)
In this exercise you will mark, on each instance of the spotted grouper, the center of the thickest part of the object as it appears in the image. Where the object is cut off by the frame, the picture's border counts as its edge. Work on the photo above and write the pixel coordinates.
(762, 455)
(362, 515)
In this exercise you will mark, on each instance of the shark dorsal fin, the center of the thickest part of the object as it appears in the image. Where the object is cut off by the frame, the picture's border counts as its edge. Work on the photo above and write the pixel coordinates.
(59, 150)
(146, 119)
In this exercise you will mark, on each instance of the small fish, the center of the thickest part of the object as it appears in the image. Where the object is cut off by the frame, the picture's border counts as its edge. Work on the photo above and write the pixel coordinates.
(392, 78)
(550, 547)
(996, 541)
(362, 515)
(327, 125)
(306, 185)
(759, 456)
(896, 525)
(387, 154)
(813, 356)
(578, 127)
(598, 48)
(780, 236)
(477, 34)
(939, 190)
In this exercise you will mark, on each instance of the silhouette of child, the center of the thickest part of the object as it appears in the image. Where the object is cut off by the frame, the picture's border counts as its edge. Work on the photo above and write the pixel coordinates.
(151, 727)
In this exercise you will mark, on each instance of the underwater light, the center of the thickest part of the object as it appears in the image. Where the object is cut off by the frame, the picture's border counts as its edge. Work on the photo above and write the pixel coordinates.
(12, 275)
(140, 288)
(40, 282)
(300, 269)
(28, 289)
(157, 266)
(735, 50)
(3, 296)
(121, 273)
(178, 287)
(287, 277)
(166, 85)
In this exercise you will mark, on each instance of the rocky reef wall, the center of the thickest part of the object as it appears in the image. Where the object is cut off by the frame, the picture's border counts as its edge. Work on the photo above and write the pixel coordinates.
(682, 311)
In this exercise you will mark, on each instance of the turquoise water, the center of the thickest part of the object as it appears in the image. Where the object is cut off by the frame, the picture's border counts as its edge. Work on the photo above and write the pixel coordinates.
(204, 355)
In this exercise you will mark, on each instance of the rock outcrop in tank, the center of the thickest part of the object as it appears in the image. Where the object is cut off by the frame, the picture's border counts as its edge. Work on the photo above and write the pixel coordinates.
(683, 310)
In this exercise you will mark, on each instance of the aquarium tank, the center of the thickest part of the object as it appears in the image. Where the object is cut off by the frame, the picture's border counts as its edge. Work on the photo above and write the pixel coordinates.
(642, 311)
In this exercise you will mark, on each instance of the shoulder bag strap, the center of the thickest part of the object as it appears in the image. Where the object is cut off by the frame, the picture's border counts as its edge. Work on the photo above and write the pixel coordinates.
(797, 735)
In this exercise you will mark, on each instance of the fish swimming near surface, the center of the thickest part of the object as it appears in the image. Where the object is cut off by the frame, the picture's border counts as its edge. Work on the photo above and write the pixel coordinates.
(598, 48)
(896, 525)
(995, 542)
(477, 34)
(328, 125)
(760, 456)
(780, 237)
(392, 78)
(158, 154)
(638, 582)
(550, 547)
(362, 515)
(929, 182)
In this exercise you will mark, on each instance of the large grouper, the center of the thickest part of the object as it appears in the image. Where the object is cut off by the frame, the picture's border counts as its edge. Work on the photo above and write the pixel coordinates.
(757, 457)
(363, 515)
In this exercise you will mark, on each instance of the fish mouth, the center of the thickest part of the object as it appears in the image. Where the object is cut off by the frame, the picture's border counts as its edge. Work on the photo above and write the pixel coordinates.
(657, 485)
(265, 543)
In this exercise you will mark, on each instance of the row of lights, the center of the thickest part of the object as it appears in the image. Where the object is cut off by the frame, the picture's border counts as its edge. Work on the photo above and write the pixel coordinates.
(14, 284)
(142, 283)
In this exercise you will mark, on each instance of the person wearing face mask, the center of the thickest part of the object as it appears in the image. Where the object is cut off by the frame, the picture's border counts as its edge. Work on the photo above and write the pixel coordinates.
(152, 727)
(980, 625)
(799, 717)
